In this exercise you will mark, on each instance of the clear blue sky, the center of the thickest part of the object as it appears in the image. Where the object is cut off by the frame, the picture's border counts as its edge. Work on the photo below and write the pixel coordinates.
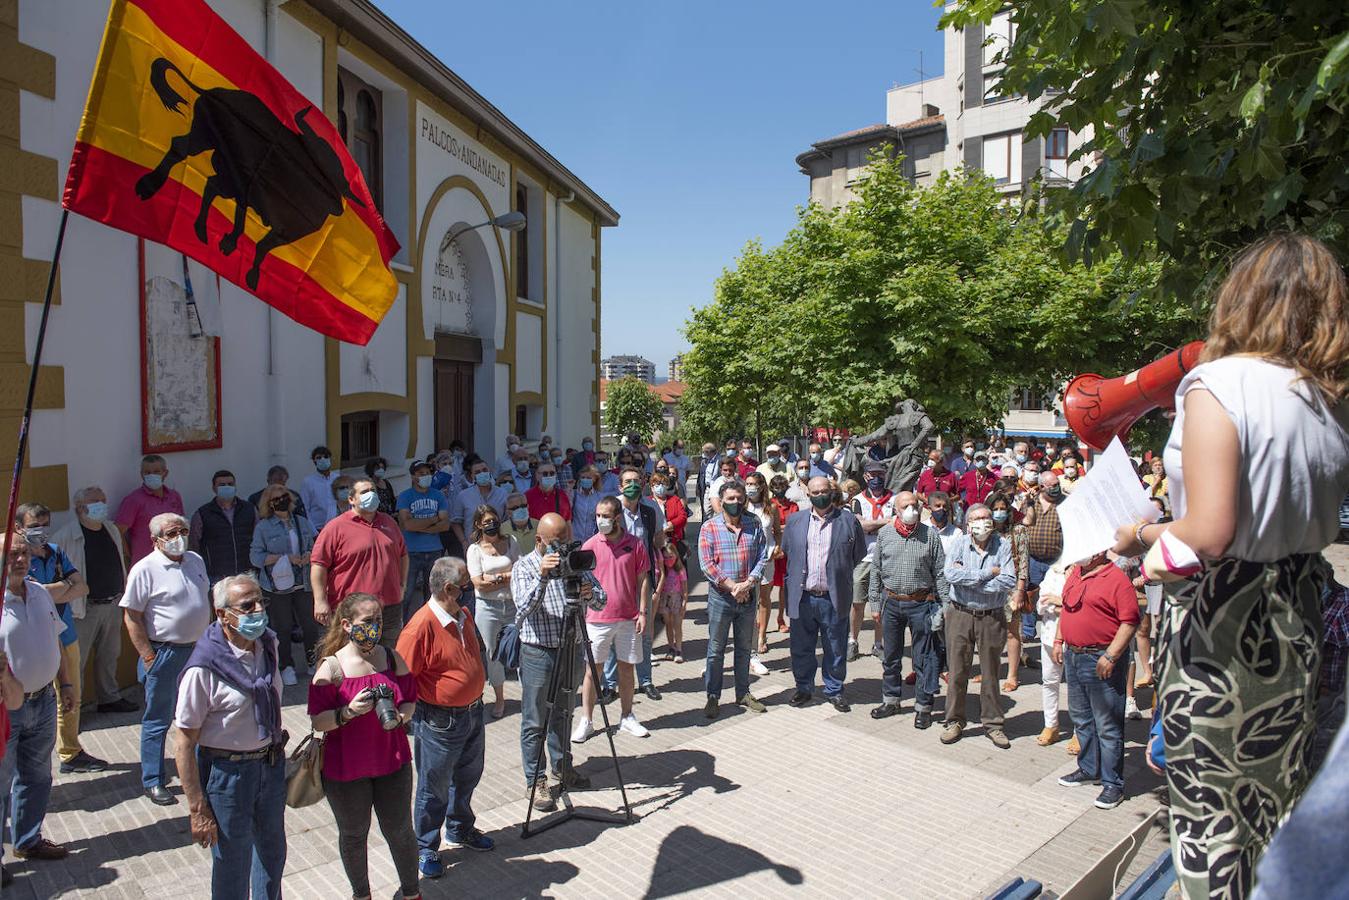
(686, 117)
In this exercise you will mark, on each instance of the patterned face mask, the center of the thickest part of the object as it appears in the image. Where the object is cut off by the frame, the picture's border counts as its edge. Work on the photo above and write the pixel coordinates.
(366, 635)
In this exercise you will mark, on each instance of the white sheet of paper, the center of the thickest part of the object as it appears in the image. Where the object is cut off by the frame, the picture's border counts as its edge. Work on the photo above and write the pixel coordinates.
(1108, 496)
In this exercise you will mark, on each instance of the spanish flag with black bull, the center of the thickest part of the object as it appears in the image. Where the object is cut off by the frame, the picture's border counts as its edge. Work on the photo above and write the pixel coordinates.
(192, 139)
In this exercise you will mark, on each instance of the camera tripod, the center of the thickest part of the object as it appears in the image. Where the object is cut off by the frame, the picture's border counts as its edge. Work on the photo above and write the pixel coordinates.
(564, 679)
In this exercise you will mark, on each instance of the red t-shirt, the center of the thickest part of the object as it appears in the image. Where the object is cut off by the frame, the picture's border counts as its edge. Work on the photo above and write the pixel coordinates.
(975, 486)
(361, 556)
(540, 504)
(1095, 604)
(619, 567)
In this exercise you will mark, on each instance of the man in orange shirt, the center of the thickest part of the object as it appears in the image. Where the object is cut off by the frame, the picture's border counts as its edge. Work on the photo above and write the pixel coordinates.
(444, 652)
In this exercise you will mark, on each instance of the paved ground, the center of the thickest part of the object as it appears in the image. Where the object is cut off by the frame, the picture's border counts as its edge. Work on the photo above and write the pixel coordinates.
(810, 802)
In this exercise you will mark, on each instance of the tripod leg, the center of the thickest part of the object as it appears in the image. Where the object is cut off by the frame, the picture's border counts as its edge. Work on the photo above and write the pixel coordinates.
(608, 732)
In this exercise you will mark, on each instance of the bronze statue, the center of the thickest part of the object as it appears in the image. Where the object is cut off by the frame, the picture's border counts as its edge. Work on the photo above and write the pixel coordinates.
(907, 429)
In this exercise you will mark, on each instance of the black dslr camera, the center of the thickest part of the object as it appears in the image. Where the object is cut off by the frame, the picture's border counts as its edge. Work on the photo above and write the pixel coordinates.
(575, 562)
(385, 707)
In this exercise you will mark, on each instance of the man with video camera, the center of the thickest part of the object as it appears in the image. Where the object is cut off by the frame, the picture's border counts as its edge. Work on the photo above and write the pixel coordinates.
(541, 611)
(623, 568)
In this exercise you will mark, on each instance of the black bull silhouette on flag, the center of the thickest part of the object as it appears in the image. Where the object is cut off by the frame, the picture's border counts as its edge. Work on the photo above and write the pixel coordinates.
(293, 180)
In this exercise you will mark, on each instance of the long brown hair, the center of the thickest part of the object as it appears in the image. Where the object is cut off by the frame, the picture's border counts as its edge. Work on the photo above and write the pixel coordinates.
(335, 638)
(1285, 299)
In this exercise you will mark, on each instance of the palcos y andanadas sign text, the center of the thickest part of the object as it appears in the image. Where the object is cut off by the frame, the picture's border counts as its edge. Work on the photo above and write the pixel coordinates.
(461, 151)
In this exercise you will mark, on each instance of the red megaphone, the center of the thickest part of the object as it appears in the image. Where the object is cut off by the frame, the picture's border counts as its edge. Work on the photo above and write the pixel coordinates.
(1098, 409)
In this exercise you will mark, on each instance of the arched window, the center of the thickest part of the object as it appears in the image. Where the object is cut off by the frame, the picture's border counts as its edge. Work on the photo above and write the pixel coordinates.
(360, 110)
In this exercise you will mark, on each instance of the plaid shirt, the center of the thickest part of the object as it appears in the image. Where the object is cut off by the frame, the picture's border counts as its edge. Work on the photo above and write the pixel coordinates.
(726, 555)
(907, 565)
(1044, 539)
(1335, 650)
(539, 602)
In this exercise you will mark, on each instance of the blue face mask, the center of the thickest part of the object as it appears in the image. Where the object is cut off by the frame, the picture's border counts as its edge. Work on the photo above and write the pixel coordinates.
(522, 466)
(423, 481)
(251, 625)
(368, 501)
(587, 483)
(225, 492)
(547, 482)
(97, 511)
(520, 515)
(482, 479)
(153, 481)
(323, 463)
(999, 515)
(587, 445)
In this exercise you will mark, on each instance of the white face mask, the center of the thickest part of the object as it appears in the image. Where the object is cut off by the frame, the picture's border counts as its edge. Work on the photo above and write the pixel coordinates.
(981, 529)
(176, 546)
(604, 523)
(909, 515)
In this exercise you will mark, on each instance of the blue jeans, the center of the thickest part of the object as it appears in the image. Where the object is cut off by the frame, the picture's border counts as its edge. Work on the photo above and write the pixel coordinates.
(26, 770)
(161, 696)
(643, 668)
(723, 615)
(896, 615)
(1037, 572)
(248, 799)
(448, 749)
(536, 669)
(1097, 710)
(419, 570)
(818, 621)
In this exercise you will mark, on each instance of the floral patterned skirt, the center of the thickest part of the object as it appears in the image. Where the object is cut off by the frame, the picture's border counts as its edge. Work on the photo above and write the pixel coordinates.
(1237, 671)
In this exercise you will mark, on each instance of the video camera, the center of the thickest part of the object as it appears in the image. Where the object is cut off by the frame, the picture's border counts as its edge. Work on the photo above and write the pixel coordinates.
(574, 563)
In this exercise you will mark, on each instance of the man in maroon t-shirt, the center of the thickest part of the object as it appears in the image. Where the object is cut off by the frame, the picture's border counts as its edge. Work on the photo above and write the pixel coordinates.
(361, 550)
(1096, 627)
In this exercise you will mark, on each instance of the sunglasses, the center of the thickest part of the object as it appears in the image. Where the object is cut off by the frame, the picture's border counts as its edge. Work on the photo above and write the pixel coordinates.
(170, 535)
(251, 606)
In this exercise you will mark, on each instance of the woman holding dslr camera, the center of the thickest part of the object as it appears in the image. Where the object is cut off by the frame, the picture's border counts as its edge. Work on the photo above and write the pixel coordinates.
(361, 694)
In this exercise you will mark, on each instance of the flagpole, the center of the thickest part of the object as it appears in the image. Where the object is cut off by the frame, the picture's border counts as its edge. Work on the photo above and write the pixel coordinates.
(32, 390)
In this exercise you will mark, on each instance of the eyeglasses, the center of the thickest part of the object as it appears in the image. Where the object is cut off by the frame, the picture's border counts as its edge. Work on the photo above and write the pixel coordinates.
(177, 532)
(514, 508)
(251, 606)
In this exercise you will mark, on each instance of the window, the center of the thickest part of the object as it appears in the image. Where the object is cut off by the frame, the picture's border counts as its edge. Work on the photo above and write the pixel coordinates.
(993, 88)
(998, 158)
(521, 421)
(360, 121)
(1028, 400)
(360, 438)
(1056, 153)
(522, 245)
(999, 37)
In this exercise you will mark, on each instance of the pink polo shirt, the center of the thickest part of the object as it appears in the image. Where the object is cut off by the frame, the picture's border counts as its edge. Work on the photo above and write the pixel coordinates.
(135, 513)
(619, 567)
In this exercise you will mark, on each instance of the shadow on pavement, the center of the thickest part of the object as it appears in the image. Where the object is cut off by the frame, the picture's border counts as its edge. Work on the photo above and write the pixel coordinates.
(689, 860)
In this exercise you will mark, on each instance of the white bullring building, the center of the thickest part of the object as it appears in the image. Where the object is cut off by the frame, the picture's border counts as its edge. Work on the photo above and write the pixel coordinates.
(491, 332)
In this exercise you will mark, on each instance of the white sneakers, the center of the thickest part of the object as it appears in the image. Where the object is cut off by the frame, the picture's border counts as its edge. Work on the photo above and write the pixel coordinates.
(756, 665)
(583, 731)
(1131, 710)
(630, 724)
(288, 676)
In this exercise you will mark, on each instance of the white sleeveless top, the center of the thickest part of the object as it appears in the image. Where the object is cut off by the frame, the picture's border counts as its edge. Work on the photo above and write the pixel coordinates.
(1294, 456)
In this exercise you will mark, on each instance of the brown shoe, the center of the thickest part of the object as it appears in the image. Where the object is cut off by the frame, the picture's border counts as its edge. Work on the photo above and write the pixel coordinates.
(999, 738)
(43, 849)
(1073, 746)
(1048, 736)
(544, 799)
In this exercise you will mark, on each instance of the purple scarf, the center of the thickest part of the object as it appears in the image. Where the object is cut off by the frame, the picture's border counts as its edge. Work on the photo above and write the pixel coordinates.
(213, 654)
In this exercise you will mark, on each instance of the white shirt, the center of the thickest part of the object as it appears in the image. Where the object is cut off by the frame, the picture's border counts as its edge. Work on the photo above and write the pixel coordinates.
(949, 535)
(1294, 457)
(173, 596)
(862, 507)
(30, 636)
(444, 618)
(481, 563)
(316, 491)
(222, 712)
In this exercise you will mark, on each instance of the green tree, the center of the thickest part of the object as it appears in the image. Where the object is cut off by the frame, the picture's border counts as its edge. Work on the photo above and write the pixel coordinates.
(944, 294)
(1208, 124)
(630, 406)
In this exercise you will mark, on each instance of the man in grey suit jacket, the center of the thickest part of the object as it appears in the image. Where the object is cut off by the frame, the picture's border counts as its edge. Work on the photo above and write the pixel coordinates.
(822, 545)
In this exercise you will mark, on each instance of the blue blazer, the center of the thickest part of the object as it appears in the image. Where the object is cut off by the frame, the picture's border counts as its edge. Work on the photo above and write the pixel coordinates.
(847, 548)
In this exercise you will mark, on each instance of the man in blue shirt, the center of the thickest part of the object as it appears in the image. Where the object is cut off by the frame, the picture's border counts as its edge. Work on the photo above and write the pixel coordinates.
(423, 514)
(52, 569)
(980, 572)
(818, 466)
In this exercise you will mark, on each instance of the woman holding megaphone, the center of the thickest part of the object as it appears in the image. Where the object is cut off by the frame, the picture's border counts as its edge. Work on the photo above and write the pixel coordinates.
(1257, 462)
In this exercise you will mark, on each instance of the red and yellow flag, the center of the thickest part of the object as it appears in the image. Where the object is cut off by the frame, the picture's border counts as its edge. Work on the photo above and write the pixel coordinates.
(192, 139)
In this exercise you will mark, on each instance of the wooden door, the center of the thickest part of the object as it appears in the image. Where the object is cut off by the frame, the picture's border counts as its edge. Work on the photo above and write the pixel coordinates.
(454, 402)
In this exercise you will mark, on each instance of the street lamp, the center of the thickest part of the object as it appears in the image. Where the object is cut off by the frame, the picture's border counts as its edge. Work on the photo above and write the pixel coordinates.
(511, 221)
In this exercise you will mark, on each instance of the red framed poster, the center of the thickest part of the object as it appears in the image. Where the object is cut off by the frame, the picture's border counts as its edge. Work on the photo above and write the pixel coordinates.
(180, 360)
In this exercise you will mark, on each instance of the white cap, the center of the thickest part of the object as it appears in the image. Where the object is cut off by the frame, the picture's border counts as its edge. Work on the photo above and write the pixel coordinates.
(773, 448)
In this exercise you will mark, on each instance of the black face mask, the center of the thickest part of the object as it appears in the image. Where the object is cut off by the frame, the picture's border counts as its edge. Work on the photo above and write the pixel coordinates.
(822, 502)
(281, 504)
(732, 508)
(491, 528)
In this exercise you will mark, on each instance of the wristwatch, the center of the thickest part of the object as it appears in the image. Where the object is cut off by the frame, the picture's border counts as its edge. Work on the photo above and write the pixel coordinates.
(1113, 659)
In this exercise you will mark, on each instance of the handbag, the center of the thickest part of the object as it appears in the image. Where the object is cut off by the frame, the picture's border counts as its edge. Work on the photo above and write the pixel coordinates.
(507, 649)
(304, 773)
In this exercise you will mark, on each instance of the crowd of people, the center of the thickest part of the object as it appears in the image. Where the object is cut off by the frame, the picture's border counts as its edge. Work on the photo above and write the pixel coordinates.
(395, 605)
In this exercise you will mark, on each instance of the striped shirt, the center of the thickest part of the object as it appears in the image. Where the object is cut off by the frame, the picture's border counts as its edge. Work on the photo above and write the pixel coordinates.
(817, 550)
(727, 555)
(539, 602)
(907, 565)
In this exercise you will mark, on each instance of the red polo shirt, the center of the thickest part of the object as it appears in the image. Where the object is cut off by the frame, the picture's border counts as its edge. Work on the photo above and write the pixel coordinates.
(1095, 604)
(540, 503)
(361, 556)
(929, 481)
